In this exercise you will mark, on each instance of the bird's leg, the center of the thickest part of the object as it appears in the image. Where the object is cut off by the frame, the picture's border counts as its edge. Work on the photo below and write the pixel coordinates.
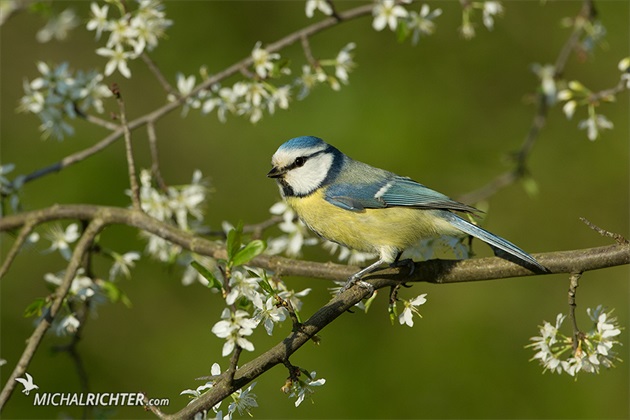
(356, 277)
(408, 262)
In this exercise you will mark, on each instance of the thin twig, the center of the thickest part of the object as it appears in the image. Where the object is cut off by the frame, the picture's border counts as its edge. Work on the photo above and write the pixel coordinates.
(153, 408)
(608, 94)
(155, 161)
(133, 181)
(25, 231)
(33, 342)
(101, 122)
(617, 237)
(233, 364)
(334, 10)
(73, 352)
(573, 285)
(308, 53)
(158, 74)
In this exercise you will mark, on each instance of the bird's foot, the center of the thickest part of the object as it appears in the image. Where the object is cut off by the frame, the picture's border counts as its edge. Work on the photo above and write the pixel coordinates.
(408, 262)
(352, 280)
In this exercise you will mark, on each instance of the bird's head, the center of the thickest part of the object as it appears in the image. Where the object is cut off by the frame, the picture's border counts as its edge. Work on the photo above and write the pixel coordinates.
(304, 164)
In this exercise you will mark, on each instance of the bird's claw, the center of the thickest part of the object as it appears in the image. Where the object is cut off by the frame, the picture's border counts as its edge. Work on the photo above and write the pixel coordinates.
(408, 262)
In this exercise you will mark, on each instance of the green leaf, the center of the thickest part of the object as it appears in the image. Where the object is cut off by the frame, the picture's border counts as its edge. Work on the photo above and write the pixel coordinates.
(207, 274)
(264, 283)
(115, 293)
(402, 31)
(531, 186)
(35, 308)
(369, 301)
(393, 312)
(234, 238)
(248, 252)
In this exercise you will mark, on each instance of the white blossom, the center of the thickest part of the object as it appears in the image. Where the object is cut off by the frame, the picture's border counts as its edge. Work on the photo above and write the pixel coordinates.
(123, 264)
(202, 389)
(289, 294)
(406, 316)
(68, 325)
(303, 388)
(117, 60)
(263, 60)
(344, 62)
(422, 23)
(234, 327)
(490, 10)
(82, 287)
(61, 239)
(242, 286)
(279, 97)
(99, 21)
(594, 124)
(187, 200)
(595, 348)
(130, 34)
(185, 86)
(268, 312)
(243, 400)
(547, 75)
(569, 109)
(387, 13)
(59, 94)
(296, 233)
(58, 27)
(321, 5)
(353, 256)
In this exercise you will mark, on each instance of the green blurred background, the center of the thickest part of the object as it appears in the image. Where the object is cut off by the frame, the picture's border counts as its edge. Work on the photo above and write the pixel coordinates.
(445, 112)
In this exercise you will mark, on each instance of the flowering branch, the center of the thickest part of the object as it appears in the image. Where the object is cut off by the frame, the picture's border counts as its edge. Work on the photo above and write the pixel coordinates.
(235, 68)
(544, 99)
(433, 271)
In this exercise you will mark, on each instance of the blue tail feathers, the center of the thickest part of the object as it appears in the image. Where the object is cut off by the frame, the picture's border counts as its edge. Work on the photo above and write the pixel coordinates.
(493, 240)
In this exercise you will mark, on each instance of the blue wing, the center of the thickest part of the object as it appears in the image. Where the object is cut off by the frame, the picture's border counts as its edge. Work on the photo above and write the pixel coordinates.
(394, 191)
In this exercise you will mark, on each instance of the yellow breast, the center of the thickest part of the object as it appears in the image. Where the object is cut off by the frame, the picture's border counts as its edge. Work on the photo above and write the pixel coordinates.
(385, 231)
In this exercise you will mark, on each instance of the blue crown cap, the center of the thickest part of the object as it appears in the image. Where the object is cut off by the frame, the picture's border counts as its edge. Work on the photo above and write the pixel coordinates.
(303, 142)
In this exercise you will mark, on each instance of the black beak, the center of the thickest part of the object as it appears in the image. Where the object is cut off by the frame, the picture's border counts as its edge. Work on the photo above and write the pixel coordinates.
(276, 172)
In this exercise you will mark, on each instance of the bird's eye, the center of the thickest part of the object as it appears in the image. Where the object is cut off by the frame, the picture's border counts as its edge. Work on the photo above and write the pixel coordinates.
(300, 161)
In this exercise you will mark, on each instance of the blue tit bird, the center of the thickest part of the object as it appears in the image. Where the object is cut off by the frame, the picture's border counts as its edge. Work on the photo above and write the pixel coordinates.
(370, 209)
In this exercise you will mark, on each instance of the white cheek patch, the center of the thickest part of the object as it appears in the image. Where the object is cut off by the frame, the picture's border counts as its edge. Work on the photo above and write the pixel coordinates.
(306, 179)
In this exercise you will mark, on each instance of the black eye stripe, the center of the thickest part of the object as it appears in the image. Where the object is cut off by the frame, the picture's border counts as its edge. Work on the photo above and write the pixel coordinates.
(301, 160)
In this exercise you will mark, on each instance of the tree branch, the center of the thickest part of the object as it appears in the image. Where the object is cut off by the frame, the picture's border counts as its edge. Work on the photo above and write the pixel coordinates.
(433, 271)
